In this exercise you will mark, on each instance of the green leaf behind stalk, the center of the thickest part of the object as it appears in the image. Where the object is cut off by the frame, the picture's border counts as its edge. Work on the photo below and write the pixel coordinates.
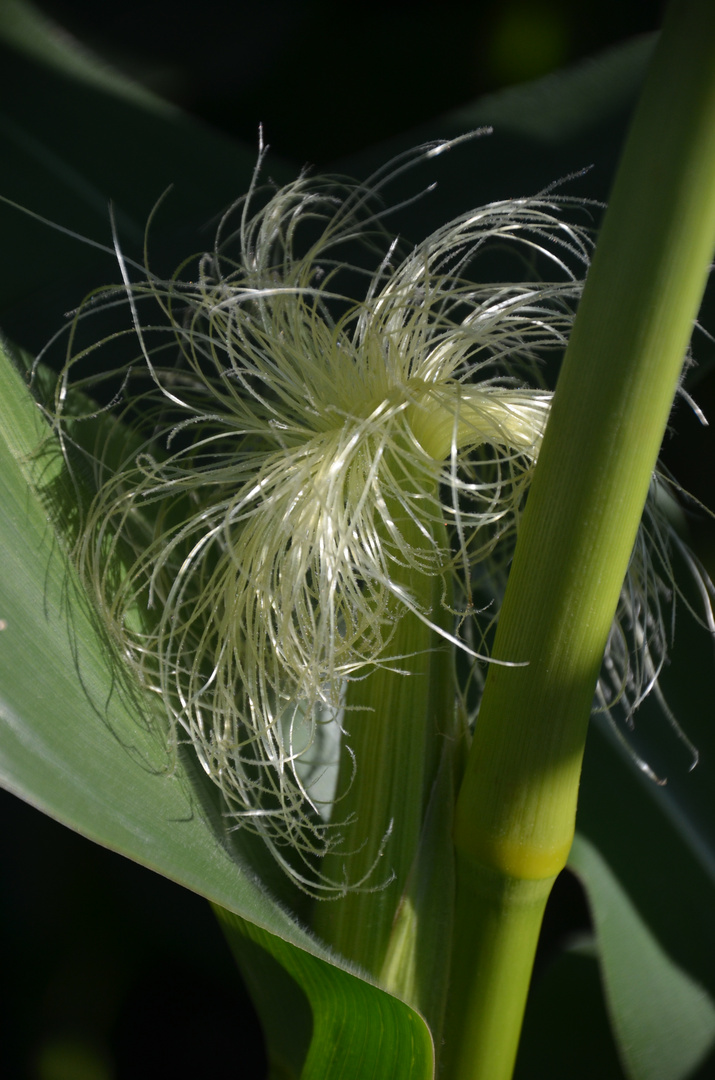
(566, 1030)
(658, 847)
(663, 1020)
(98, 144)
(659, 841)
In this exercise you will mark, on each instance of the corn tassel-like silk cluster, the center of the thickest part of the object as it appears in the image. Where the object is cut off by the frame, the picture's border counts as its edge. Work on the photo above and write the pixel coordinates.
(294, 418)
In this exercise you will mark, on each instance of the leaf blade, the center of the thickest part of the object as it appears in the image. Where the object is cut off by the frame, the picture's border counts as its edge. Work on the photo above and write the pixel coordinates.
(664, 1021)
(359, 1030)
(71, 746)
(69, 743)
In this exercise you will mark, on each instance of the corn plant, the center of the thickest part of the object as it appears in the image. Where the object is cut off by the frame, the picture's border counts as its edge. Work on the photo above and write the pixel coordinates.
(321, 581)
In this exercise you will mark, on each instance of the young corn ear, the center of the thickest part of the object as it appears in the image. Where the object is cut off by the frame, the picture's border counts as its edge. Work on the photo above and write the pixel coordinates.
(303, 432)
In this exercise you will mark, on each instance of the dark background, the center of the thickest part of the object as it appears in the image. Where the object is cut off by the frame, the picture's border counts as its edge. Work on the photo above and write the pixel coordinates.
(327, 79)
(115, 972)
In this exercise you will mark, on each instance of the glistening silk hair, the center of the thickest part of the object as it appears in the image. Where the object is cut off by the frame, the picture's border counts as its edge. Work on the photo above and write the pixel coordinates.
(315, 413)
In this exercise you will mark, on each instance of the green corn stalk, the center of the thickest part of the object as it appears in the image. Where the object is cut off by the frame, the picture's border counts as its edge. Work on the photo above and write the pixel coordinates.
(516, 810)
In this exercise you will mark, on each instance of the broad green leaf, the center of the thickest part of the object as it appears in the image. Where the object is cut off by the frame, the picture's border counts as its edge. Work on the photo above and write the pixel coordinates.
(659, 840)
(663, 1019)
(359, 1030)
(283, 1008)
(80, 747)
(72, 742)
(103, 776)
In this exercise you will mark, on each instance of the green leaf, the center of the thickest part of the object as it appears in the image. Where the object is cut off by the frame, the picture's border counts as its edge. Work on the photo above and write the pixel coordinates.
(566, 1030)
(72, 742)
(79, 745)
(359, 1030)
(552, 129)
(25, 28)
(663, 1019)
(658, 840)
(97, 145)
(280, 1001)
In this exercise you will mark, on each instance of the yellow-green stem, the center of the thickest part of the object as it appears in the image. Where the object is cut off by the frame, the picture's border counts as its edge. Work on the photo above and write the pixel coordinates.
(498, 920)
(516, 810)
